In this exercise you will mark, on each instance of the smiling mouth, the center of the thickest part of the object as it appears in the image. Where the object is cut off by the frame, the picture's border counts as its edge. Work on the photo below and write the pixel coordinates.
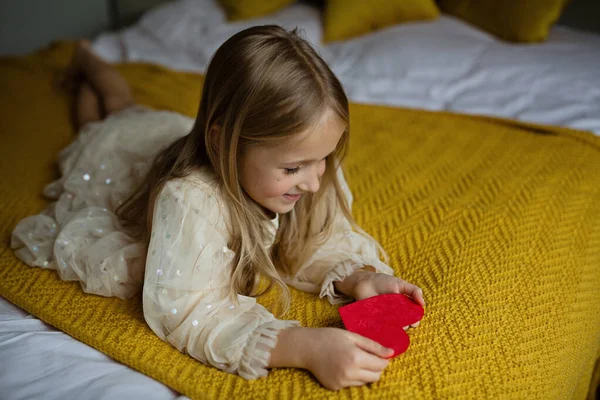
(292, 196)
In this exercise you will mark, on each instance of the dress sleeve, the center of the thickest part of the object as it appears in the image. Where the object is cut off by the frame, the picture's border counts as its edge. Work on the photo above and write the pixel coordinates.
(186, 286)
(344, 252)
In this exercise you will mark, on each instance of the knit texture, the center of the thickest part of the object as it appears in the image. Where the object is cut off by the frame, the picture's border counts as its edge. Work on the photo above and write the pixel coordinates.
(498, 222)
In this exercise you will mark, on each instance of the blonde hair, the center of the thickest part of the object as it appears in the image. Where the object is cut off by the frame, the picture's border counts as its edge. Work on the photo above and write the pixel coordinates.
(262, 86)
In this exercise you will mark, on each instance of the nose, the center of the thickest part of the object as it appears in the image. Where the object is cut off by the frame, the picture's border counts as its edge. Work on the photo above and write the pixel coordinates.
(312, 181)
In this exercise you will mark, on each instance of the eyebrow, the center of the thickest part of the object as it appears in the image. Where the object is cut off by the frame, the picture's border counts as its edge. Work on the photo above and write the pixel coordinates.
(305, 161)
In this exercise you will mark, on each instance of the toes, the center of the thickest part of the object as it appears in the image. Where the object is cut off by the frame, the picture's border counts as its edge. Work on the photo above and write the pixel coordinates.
(85, 43)
(68, 81)
(114, 104)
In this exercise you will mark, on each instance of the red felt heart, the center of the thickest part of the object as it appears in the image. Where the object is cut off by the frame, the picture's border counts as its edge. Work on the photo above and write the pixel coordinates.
(382, 318)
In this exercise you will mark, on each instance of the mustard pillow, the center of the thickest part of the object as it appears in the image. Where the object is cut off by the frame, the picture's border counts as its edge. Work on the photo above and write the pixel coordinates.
(345, 19)
(512, 20)
(245, 9)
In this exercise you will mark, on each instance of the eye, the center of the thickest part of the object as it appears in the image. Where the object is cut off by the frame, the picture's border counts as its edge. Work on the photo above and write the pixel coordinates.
(292, 171)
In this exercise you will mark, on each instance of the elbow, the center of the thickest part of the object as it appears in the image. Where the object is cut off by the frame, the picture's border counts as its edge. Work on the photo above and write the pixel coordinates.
(153, 315)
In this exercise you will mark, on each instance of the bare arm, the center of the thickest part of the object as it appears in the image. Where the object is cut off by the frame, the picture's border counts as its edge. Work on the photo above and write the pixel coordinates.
(336, 357)
(347, 285)
(286, 353)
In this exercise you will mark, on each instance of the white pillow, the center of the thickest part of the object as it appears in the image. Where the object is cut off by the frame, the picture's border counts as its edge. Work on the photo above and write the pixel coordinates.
(184, 34)
(299, 15)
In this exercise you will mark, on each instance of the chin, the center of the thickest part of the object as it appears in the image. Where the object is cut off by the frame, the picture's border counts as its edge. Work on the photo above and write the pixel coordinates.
(281, 208)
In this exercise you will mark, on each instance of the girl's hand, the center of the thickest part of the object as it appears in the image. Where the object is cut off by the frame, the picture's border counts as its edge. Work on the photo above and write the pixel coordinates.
(364, 284)
(339, 358)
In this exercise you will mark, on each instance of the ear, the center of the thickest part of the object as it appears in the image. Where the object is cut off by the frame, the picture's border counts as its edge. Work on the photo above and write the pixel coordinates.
(212, 139)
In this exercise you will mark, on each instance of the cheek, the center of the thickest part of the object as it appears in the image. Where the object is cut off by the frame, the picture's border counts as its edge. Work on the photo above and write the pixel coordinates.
(263, 181)
(276, 187)
(322, 166)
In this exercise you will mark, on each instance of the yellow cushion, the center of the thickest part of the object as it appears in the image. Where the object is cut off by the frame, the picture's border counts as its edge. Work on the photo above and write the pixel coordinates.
(512, 20)
(498, 222)
(345, 19)
(244, 9)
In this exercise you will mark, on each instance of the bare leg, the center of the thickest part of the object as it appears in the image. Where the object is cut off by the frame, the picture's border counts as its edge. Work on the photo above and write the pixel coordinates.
(87, 106)
(113, 90)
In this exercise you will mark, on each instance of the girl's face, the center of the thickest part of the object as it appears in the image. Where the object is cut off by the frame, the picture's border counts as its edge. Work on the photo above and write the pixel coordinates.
(277, 177)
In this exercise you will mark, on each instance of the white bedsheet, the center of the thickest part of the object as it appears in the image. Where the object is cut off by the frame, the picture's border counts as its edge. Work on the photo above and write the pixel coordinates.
(38, 361)
(439, 65)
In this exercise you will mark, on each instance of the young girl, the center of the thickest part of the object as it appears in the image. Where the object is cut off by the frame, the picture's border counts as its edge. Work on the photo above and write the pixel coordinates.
(200, 214)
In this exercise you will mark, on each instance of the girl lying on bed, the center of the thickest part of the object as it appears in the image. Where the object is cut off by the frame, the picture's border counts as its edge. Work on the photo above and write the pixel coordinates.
(204, 216)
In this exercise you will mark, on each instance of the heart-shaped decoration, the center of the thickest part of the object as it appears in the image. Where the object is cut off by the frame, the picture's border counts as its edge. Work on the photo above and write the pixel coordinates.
(382, 318)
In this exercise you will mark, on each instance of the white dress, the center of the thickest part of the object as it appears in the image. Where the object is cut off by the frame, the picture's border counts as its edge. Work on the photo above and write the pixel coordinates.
(184, 272)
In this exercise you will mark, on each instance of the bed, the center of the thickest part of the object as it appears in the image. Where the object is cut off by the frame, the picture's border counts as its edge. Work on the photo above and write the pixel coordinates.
(408, 65)
(546, 95)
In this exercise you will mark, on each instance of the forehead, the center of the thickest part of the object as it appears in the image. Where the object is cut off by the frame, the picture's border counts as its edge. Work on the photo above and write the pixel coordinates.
(316, 142)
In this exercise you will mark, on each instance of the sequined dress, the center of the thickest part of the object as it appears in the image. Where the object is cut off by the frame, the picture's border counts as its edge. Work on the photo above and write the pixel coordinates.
(184, 272)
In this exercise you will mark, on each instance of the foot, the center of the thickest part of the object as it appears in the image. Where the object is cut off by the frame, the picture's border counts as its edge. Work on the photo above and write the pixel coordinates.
(70, 79)
(112, 88)
(87, 106)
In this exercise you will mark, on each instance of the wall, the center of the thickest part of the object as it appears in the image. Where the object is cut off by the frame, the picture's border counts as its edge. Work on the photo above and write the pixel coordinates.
(582, 14)
(26, 25)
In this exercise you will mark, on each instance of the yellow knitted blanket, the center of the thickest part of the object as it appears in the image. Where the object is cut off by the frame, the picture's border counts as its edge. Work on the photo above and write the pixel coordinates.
(497, 221)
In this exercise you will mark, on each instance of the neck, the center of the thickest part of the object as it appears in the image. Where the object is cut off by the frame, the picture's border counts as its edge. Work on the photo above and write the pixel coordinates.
(269, 214)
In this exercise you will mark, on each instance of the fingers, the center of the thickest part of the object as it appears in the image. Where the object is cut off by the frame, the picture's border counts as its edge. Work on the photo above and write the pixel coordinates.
(372, 346)
(412, 290)
(373, 363)
(366, 376)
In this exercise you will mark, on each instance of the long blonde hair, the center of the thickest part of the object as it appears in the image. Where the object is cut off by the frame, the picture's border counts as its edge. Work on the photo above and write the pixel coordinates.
(262, 86)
